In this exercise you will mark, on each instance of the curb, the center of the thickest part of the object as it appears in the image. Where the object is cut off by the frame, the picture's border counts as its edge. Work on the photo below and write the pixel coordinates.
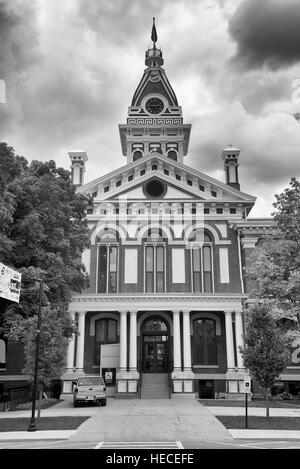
(265, 434)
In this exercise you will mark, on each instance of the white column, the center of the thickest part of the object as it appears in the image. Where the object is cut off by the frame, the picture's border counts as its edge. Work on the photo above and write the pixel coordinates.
(80, 341)
(187, 358)
(71, 349)
(229, 340)
(133, 342)
(239, 337)
(123, 340)
(176, 341)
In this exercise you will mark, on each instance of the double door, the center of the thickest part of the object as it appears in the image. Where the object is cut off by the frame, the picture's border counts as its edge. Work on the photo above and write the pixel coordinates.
(155, 353)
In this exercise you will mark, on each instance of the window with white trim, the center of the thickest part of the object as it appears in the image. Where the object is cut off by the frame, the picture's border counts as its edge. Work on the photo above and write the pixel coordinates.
(108, 259)
(105, 333)
(155, 263)
(205, 342)
(201, 262)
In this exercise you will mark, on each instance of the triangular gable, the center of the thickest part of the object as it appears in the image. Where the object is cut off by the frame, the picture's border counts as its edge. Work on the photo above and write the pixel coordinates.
(172, 192)
(154, 81)
(213, 189)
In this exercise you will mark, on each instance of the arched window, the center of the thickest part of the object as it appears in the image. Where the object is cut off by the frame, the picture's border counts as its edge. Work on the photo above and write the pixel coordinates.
(105, 333)
(155, 325)
(154, 262)
(108, 247)
(201, 262)
(205, 342)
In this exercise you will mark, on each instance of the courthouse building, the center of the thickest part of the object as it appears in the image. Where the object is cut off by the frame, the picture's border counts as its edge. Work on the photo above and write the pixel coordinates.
(164, 313)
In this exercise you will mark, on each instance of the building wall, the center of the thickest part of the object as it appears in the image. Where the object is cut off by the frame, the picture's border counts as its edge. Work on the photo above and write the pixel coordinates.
(233, 285)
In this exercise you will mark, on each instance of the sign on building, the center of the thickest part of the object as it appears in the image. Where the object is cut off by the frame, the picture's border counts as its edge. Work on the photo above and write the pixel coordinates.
(10, 283)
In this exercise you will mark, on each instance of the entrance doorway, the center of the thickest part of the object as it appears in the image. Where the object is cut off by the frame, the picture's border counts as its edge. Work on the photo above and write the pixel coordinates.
(206, 389)
(155, 346)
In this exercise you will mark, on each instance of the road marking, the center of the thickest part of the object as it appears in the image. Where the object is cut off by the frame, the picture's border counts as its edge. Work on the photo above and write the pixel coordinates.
(139, 445)
(230, 444)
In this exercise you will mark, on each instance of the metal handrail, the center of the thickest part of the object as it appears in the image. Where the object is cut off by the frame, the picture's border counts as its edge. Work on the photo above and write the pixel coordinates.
(170, 384)
(140, 385)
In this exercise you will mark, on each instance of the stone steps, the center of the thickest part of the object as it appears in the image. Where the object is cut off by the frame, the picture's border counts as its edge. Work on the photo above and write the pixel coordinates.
(155, 386)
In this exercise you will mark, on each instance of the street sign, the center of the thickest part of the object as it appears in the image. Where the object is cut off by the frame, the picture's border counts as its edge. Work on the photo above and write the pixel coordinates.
(10, 283)
(247, 385)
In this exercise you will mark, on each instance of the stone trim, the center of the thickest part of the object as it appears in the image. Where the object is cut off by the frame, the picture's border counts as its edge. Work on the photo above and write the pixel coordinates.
(156, 302)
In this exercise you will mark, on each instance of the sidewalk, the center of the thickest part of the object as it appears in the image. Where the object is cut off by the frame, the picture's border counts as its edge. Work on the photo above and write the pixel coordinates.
(38, 435)
(147, 418)
(64, 408)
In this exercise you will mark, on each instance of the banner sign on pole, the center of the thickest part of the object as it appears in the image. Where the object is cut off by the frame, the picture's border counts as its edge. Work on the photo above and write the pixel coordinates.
(10, 283)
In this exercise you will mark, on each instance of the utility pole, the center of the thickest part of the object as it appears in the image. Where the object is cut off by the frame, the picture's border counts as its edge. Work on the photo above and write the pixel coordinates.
(32, 425)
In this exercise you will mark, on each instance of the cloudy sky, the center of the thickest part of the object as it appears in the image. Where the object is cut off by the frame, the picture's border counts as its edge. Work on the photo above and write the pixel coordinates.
(71, 68)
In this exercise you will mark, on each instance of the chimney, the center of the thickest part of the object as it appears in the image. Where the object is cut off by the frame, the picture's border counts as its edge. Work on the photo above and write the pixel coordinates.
(230, 156)
(78, 159)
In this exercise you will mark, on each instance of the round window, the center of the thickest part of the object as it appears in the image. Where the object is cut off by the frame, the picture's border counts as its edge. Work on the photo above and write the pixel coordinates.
(155, 188)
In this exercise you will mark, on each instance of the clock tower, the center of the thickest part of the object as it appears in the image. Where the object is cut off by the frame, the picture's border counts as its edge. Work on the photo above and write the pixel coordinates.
(154, 122)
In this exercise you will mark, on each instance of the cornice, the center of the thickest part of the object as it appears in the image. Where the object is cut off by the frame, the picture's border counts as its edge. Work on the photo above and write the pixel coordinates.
(157, 302)
(238, 196)
(254, 224)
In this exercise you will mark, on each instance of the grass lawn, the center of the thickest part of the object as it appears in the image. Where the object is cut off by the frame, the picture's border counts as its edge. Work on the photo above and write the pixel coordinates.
(260, 423)
(291, 403)
(42, 423)
(45, 404)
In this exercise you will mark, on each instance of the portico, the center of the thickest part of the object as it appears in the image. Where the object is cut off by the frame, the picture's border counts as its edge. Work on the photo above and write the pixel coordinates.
(166, 350)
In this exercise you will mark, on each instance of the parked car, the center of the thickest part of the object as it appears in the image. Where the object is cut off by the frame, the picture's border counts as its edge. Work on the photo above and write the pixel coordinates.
(89, 389)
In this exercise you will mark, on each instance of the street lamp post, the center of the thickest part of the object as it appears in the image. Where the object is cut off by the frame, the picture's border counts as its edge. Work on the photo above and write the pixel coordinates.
(32, 425)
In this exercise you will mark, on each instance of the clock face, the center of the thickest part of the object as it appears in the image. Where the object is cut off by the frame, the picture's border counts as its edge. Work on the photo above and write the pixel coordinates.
(154, 105)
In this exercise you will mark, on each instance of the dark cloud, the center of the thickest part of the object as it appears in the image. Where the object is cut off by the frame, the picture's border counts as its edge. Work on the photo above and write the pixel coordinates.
(266, 33)
(255, 90)
(18, 37)
(269, 146)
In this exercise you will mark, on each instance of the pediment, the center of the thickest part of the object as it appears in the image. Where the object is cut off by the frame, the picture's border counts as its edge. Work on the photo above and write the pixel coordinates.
(181, 182)
(171, 192)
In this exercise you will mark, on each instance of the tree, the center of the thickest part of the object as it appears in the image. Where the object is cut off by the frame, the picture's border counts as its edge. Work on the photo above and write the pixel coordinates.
(11, 166)
(266, 347)
(275, 262)
(44, 230)
(54, 337)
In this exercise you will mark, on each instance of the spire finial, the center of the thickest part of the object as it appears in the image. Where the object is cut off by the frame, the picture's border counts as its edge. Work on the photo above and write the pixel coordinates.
(154, 34)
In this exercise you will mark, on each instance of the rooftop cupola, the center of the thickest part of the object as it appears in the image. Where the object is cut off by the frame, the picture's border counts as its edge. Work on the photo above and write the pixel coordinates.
(154, 56)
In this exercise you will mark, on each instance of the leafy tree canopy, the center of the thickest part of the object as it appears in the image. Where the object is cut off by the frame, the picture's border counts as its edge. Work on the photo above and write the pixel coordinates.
(266, 350)
(43, 230)
(276, 262)
(45, 227)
